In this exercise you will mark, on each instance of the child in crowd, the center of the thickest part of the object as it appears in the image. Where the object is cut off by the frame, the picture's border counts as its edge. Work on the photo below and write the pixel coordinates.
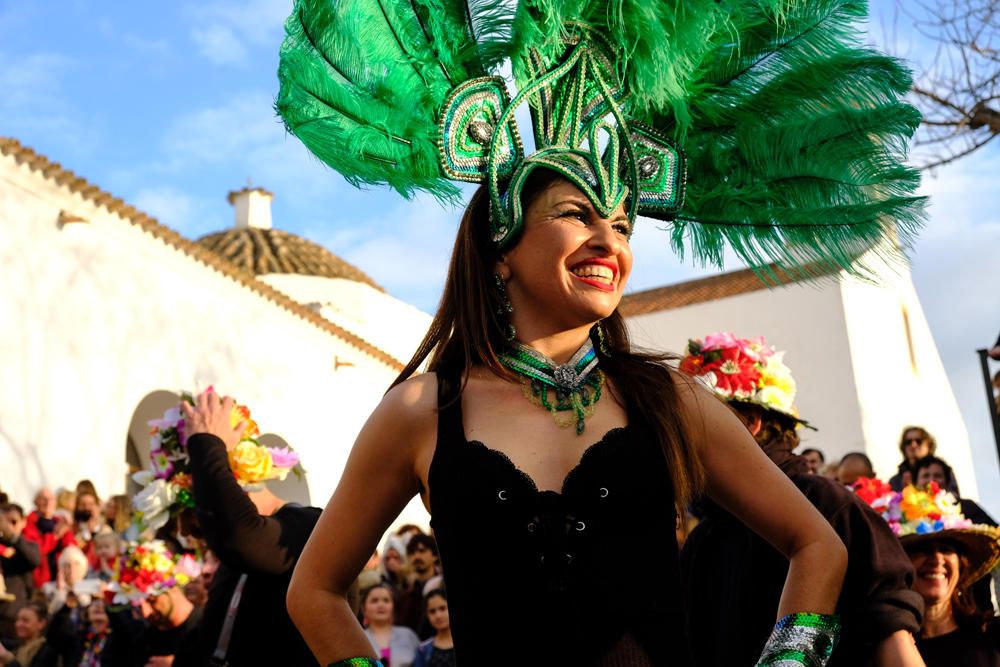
(439, 650)
(107, 549)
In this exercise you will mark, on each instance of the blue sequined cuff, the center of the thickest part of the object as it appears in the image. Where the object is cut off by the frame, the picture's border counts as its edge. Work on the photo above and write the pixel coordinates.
(357, 662)
(801, 639)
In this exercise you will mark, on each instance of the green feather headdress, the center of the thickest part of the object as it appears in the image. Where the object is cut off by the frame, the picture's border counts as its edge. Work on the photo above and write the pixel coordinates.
(763, 125)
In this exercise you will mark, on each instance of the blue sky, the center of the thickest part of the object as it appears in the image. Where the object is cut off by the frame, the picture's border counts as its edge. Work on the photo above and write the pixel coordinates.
(168, 105)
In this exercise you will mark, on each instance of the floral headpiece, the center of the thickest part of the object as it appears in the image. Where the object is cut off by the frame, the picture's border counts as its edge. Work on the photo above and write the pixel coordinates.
(743, 370)
(918, 514)
(168, 484)
(150, 569)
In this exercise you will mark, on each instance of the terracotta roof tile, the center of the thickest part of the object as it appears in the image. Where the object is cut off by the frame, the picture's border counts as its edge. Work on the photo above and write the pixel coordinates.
(709, 289)
(54, 171)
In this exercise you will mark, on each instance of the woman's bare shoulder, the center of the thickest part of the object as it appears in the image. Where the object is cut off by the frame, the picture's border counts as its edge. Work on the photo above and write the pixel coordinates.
(414, 399)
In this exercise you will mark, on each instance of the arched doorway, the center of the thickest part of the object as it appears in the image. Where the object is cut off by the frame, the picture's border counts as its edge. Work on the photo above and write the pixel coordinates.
(137, 440)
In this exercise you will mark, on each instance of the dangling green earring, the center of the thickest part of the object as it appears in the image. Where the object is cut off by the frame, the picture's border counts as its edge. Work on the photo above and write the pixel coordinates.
(506, 308)
(602, 341)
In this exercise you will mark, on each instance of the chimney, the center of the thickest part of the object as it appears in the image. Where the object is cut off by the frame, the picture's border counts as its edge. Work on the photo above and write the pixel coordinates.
(252, 206)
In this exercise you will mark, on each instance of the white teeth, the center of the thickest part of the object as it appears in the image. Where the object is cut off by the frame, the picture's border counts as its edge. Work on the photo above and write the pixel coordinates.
(595, 271)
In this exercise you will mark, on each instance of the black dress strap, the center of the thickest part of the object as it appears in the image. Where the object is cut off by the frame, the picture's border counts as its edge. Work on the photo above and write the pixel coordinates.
(451, 431)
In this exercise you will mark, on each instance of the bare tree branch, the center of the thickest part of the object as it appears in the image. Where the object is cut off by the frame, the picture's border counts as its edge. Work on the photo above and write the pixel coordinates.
(958, 90)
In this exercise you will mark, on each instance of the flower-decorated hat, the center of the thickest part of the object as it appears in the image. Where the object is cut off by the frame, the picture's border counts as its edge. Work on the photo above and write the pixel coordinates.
(743, 370)
(922, 514)
(167, 485)
(148, 569)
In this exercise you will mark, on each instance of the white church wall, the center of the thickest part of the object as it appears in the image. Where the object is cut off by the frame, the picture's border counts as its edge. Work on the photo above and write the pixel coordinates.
(900, 377)
(97, 315)
(805, 320)
(383, 320)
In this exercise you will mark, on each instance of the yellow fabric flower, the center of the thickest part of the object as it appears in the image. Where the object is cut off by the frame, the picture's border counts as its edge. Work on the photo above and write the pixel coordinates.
(250, 462)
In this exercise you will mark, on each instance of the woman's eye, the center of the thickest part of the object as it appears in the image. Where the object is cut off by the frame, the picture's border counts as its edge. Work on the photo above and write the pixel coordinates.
(578, 215)
(624, 228)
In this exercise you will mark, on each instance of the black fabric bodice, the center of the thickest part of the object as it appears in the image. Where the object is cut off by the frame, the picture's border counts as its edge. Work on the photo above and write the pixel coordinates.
(562, 578)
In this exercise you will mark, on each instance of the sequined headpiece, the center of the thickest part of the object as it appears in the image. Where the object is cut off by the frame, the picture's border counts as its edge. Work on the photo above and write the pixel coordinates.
(764, 124)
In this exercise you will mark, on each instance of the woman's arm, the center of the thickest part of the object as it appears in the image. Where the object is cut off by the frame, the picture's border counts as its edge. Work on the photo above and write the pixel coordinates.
(379, 479)
(741, 479)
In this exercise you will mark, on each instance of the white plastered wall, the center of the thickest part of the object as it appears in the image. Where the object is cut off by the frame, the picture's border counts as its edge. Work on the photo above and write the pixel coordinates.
(94, 316)
(805, 320)
(900, 378)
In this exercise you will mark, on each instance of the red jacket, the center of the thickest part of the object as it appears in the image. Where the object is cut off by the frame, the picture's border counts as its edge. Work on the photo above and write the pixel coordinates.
(48, 546)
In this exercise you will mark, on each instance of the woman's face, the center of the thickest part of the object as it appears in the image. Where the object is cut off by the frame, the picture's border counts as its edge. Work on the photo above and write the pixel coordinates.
(28, 625)
(393, 561)
(932, 473)
(937, 570)
(915, 445)
(97, 616)
(378, 606)
(87, 503)
(437, 613)
(570, 266)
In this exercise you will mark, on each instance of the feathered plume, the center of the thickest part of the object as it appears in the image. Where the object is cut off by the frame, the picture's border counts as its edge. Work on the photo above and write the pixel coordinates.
(796, 141)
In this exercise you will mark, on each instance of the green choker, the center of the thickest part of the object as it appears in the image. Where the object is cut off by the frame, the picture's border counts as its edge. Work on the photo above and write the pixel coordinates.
(576, 385)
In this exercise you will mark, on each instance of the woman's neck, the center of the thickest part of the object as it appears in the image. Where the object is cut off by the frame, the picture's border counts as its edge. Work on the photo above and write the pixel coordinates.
(443, 639)
(380, 627)
(939, 619)
(557, 346)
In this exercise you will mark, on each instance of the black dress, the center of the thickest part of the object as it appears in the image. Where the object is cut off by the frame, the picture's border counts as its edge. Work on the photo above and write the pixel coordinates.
(539, 577)
(962, 648)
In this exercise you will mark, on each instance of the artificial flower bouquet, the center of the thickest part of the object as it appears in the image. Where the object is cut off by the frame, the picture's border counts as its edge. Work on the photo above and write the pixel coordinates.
(167, 485)
(915, 510)
(148, 569)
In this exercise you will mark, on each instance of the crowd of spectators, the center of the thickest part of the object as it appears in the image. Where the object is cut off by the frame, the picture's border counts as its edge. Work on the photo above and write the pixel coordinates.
(59, 559)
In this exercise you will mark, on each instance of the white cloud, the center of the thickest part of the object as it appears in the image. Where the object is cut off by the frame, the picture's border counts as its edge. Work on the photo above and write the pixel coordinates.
(224, 29)
(219, 44)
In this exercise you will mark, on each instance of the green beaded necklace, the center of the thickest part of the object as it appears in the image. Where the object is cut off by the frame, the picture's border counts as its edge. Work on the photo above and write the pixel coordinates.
(559, 388)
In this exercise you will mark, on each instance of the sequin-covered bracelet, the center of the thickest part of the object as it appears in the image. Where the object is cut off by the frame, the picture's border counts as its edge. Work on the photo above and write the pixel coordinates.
(801, 639)
(356, 662)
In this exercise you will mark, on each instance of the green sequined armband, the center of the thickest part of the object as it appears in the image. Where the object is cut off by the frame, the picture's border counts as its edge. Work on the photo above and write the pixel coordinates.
(357, 662)
(801, 639)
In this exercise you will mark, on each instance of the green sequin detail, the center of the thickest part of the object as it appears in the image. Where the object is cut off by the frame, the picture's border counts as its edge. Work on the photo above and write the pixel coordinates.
(569, 391)
(357, 662)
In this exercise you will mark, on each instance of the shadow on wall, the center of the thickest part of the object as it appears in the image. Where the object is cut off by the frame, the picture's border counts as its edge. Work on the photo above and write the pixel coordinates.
(137, 441)
(292, 489)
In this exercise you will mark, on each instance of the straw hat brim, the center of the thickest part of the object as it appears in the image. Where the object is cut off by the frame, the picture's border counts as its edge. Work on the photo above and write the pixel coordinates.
(980, 544)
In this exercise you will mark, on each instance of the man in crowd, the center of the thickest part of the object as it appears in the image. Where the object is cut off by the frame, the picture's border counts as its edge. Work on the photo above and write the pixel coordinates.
(257, 538)
(50, 532)
(422, 557)
(173, 623)
(18, 559)
(814, 458)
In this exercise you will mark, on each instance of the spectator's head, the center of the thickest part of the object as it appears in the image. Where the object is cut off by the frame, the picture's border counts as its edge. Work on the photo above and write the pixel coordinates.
(97, 615)
(209, 566)
(768, 427)
(916, 443)
(814, 458)
(118, 512)
(407, 531)
(933, 469)
(87, 507)
(168, 609)
(107, 545)
(437, 610)
(31, 621)
(422, 555)
(393, 556)
(45, 502)
(73, 564)
(11, 520)
(853, 466)
(377, 605)
(941, 569)
(86, 486)
(66, 500)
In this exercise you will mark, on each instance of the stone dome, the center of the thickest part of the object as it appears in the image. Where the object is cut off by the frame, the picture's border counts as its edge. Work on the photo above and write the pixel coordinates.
(262, 251)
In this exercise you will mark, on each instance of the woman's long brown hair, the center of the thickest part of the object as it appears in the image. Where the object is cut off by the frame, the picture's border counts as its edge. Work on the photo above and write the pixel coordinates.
(468, 327)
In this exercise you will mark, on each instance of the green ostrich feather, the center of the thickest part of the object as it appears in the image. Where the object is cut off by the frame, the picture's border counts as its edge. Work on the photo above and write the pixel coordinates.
(792, 134)
(362, 82)
(796, 143)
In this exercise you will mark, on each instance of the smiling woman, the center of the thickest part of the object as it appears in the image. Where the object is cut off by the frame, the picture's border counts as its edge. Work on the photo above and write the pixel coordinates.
(764, 125)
